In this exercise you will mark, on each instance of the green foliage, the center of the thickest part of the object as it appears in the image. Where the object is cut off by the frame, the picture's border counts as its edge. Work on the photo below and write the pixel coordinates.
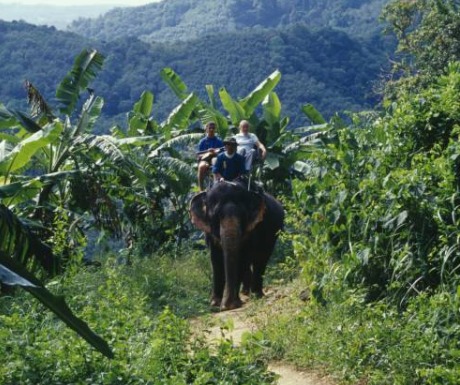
(374, 343)
(377, 206)
(151, 343)
(18, 276)
(427, 33)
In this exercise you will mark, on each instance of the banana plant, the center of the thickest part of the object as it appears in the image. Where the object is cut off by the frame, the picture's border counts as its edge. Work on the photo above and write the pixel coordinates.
(16, 239)
(237, 109)
(46, 162)
(161, 174)
(203, 112)
(43, 158)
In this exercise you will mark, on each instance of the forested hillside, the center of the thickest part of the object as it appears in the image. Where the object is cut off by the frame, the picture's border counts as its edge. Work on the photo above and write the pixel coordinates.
(324, 67)
(189, 19)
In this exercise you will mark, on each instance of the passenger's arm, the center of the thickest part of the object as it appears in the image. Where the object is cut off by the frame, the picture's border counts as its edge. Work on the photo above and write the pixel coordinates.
(262, 149)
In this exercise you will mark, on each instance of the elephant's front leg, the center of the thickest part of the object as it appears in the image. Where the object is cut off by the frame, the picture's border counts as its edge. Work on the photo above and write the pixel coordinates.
(230, 237)
(218, 273)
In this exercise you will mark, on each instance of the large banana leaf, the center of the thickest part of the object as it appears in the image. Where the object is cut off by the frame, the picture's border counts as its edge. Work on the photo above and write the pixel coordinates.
(272, 115)
(180, 140)
(134, 140)
(13, 273)
(17, 239)
(211, 96)
(145, 104)
(271, 106)
(250, 102)
(21, 154)
(313, 114)
(39, 108)
(179, 117)
(26, 122)
(84, 70)
(236, 111)
(139, 117)
(11, 118)
(13, 193)
(6, 118)
(90, 113)
(174, 82)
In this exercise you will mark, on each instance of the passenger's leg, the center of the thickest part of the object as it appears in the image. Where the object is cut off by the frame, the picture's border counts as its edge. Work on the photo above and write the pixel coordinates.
(202, 170)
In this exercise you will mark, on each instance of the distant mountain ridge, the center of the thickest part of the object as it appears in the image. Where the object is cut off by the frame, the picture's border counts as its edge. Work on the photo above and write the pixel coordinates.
(173, 20)
(59, 17)
(236, 44)
(326, 68)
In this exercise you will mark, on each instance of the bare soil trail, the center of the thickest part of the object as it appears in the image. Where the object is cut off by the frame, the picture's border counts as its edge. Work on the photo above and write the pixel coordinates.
(241, 323)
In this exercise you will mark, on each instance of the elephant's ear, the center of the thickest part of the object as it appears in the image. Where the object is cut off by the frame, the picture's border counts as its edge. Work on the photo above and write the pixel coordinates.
(256, 212)
(197, 212)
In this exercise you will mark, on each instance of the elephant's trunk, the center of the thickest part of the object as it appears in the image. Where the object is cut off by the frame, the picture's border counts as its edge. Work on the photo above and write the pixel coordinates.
(230, 236)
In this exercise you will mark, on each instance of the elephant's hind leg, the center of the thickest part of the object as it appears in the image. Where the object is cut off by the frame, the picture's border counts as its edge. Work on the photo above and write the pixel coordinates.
(246, 278)
(258, 271)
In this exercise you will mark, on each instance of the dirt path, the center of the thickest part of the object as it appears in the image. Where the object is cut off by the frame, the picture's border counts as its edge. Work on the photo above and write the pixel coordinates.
(240, 325)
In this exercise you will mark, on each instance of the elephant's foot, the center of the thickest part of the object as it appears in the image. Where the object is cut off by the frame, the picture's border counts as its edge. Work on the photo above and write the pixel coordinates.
(215, 301)
(230, 305)
(246, 291)
(258, 293)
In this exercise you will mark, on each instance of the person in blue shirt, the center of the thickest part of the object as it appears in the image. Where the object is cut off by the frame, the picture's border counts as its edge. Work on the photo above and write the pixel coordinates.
(229, 164)
(208, 148)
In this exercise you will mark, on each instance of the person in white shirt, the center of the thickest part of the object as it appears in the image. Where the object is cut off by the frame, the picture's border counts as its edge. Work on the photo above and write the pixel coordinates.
(248, 144)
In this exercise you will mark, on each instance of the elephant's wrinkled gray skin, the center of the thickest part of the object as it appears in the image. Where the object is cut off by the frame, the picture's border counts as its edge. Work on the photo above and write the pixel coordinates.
(241, 229)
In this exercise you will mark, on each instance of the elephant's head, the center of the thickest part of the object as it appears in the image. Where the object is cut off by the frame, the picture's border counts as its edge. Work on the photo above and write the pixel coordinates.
(227, 213)
(227, 204)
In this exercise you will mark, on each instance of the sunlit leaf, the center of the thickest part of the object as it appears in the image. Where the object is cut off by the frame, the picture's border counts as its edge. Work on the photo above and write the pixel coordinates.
(313, 114)
(174, 82)
(256, 97)
(236, 111)
(21, 154)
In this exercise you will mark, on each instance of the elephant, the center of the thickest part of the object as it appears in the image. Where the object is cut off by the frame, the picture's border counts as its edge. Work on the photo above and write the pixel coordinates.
(241, 228)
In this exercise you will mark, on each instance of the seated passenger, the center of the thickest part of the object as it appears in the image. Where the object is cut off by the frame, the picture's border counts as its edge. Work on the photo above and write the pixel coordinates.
(208, 148)
(248, 144)
(229, 164)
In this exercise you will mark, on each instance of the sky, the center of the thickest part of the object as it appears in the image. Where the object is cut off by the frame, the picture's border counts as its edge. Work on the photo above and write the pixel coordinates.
(131, 3)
